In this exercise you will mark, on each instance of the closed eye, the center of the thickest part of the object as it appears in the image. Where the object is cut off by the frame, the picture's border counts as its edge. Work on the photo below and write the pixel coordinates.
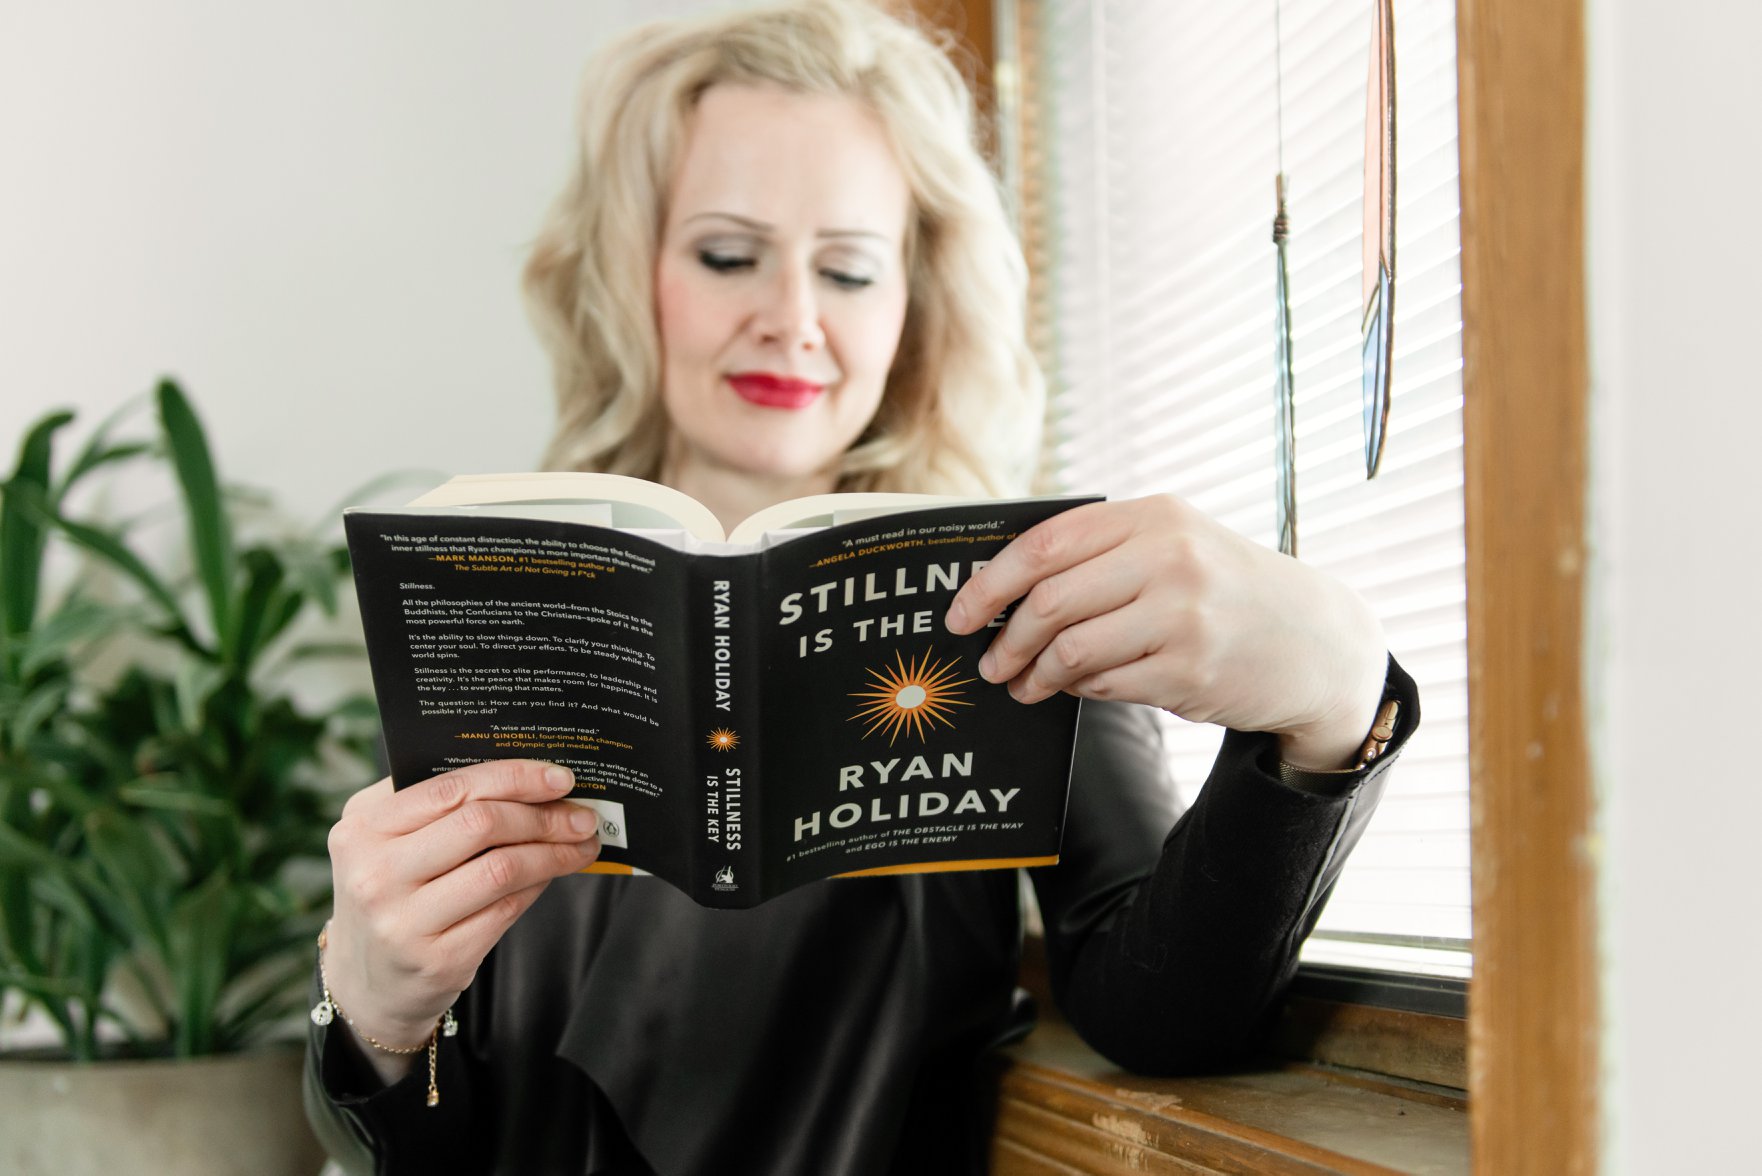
(846, 281)
(724, 263)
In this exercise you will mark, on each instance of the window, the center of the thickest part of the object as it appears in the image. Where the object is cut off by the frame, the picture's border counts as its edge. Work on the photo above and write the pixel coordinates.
(1150, 146)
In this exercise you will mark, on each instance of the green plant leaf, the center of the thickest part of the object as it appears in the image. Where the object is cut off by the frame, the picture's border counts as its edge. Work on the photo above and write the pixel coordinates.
(98, 452)
(245, 1017)
(195, 682)
(278, 614)
(62, 893)
(360, 708)
(201, 927)
(19, 916)
(76, 622)
(164, 827)
(37, 708)
(174, 798)
(92, 967)
(210, 529)
(265, 606)
(135, 874)
(94, 459)
(49, 994)
(42, 987)
(312, 569)
(22, 533)
(20, 852)
(70, 799)
(111, 549)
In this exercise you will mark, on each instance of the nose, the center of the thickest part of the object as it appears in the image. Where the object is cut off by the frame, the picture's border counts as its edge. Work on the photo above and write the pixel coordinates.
(789, 315)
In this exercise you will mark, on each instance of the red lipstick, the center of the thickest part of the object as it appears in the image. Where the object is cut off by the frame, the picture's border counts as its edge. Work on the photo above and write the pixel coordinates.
(771, 391)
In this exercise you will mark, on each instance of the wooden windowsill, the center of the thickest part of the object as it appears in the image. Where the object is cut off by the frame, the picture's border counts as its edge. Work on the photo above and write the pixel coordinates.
(1417, 1046)
(1064, 1109)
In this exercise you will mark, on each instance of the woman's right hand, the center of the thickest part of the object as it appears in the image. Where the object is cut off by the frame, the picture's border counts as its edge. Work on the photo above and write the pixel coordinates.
(428, 878)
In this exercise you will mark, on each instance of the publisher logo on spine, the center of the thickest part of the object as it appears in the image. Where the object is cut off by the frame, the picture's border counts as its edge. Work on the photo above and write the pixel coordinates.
(724, 879)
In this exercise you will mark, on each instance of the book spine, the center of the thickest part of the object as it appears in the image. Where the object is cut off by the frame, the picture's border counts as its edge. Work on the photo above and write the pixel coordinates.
(725, 618)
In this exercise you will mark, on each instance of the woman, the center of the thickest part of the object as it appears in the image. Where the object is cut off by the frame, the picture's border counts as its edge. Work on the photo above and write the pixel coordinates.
(781, 268)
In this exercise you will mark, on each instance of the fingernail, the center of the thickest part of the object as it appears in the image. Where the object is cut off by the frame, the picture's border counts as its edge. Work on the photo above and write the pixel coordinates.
(585, 822)
(956, 620)
(559, 779)
(988, 666)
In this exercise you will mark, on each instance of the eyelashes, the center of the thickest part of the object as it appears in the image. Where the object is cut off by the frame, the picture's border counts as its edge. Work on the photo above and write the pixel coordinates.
(724, 263)
(846, 281)
(731, 263)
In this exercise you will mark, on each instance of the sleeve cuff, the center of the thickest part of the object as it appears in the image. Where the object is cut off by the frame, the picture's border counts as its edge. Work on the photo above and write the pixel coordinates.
(1398, 687)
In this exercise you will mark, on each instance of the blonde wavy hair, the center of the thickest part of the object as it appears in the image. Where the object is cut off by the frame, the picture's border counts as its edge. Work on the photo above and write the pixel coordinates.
(963, 404)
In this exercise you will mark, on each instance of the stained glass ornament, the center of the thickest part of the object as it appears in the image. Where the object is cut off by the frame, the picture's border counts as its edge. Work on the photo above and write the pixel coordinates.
(1378, 324)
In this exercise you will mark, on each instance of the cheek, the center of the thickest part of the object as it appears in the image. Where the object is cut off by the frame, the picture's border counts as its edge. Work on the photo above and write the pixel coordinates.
(683, 317)
(873, 339)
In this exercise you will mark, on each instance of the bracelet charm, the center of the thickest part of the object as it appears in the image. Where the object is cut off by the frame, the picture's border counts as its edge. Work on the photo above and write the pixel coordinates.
(328, 1010)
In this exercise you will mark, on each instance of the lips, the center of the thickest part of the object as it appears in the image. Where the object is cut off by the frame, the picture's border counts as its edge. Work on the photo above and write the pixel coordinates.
(772, 391)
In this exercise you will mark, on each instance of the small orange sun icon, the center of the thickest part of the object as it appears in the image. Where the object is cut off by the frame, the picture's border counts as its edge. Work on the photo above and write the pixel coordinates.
(911, 698)
(722, 739)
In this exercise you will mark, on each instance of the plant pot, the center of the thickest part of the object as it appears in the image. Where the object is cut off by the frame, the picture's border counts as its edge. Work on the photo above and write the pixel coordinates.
(217, 1116)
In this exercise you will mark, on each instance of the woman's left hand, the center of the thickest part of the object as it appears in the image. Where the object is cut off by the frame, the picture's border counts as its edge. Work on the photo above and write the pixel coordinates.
(1151, 601)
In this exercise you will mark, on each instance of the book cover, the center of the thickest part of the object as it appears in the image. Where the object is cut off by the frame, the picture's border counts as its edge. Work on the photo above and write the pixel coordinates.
(745, 719)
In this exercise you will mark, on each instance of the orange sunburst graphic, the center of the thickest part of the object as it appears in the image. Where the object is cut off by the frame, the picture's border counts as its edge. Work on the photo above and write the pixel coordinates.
(722, 739)
(913, 698)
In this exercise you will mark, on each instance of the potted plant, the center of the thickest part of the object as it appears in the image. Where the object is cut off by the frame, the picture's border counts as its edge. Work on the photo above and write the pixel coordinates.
(164, 804)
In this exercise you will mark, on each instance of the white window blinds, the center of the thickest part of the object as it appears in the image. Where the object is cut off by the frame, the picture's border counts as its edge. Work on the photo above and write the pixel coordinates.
(1149, 160)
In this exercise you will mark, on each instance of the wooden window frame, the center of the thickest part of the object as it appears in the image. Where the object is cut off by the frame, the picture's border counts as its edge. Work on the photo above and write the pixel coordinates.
(1533, 1016)
(1532, 1029)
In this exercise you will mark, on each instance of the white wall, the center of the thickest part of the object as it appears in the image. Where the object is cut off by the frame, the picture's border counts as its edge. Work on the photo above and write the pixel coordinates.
(1676, 642)
(314, 215)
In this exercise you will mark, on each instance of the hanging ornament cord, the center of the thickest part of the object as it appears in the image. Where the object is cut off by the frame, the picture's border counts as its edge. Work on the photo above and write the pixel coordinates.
(1285, 388)
(1378, 354)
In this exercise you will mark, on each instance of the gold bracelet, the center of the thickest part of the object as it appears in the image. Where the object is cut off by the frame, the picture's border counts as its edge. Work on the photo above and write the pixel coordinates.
(327, 1010)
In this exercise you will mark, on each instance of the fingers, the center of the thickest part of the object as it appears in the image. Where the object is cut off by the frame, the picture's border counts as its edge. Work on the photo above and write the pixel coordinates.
(503, 817)
(463, 855)
(1101, 585)
(1150, 601)
(1046, 549)
(472, 937)
(421, 805)
(479, 825)
(1148, 677)
(1082, 651)
(482, 883)
(1079, 577)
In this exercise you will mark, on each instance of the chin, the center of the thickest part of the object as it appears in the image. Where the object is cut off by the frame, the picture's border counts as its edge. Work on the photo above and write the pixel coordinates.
(761, 466)
(773, 454)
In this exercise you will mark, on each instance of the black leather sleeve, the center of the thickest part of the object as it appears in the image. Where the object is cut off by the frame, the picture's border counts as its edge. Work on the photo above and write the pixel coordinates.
(369, 1128)
(1167, 952)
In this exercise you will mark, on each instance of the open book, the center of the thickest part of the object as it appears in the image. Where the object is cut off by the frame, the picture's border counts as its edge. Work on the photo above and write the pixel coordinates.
(746, 713)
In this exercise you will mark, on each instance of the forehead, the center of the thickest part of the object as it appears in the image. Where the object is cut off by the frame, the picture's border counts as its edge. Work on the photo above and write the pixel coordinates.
(807, 162)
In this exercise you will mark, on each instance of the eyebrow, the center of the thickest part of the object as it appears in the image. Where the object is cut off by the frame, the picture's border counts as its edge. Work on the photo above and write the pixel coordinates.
(762, 227)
